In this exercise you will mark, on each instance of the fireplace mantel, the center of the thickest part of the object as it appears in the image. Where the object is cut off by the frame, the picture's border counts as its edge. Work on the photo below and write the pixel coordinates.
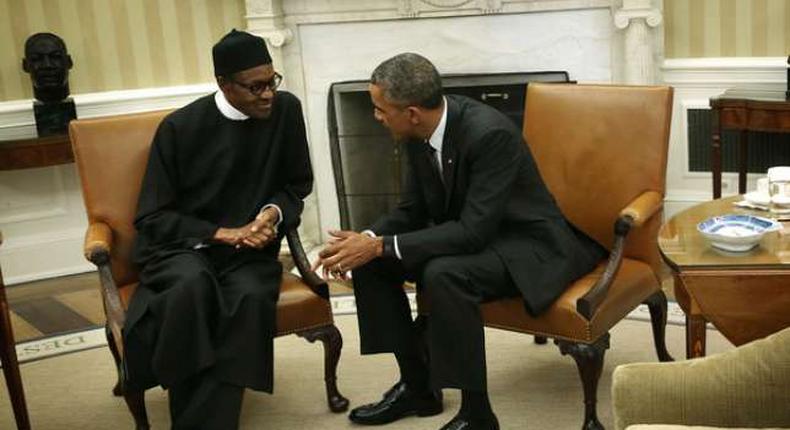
(625, 37)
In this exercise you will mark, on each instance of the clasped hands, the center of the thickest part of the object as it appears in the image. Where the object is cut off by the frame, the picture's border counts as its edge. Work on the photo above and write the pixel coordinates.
(345, 251)
(257, 234)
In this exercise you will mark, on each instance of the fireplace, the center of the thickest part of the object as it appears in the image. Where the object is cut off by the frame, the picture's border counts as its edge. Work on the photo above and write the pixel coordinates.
(369, 168)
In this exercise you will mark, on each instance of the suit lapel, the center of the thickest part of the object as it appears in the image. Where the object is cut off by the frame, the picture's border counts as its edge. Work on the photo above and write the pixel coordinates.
(450, 150)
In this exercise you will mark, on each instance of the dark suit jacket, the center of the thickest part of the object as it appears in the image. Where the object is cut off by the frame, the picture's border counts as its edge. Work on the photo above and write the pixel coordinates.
(493, 197)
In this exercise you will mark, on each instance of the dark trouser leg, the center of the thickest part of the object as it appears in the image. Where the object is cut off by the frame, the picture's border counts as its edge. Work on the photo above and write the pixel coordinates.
(456, 285)
(384, 317)
(203, 402)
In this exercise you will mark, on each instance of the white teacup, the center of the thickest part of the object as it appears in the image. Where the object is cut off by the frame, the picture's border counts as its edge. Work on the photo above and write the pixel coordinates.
(762, 185)
(779, 188)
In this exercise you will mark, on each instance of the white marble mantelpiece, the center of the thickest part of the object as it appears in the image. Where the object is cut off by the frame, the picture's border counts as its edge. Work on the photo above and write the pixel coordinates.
(326, 41)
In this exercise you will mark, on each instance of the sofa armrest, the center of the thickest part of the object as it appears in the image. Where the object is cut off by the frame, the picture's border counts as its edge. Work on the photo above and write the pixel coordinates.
(745, 387)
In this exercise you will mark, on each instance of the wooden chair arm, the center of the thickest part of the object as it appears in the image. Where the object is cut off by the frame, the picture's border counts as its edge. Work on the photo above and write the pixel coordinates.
(634, 214)
(98, 243)
(98, 240)
(310, 278)
(643, 207)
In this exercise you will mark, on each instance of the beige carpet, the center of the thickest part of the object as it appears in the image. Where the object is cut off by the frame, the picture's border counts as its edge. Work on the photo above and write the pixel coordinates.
(532, 386)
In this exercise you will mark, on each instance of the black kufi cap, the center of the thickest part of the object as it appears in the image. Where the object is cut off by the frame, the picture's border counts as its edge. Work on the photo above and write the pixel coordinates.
(237, 51)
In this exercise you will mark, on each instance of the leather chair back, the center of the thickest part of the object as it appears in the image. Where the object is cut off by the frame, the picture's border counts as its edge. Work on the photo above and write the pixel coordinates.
(111, 155)
(598, 147)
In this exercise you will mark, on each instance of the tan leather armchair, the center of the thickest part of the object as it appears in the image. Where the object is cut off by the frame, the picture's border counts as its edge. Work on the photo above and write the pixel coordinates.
(111, 155)
(602, 151)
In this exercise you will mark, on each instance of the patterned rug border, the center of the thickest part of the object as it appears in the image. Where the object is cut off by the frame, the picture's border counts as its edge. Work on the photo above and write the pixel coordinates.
(66, 343)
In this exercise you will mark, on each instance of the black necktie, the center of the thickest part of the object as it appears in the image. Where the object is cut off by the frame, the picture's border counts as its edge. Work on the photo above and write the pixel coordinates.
(435, 163)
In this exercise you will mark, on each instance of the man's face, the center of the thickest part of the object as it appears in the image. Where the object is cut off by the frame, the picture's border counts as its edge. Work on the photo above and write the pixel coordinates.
(240, 88)
(399, 120)
(47, 62)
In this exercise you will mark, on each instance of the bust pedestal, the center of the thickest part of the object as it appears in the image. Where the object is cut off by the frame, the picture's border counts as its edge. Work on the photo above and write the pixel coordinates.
(53, 118)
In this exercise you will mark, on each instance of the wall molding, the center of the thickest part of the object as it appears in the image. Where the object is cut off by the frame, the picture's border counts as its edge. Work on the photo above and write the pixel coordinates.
(727, 72)
(696, 80)
(18, 122)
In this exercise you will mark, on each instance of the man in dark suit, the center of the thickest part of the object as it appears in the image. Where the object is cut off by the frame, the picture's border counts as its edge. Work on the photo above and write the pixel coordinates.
(476, 223)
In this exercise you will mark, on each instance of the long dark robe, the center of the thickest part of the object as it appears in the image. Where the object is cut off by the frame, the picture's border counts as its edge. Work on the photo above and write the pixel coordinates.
(212, 307)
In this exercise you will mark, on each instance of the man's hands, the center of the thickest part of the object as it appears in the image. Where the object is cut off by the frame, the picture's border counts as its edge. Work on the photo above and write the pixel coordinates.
(347, 250)
(257, 234)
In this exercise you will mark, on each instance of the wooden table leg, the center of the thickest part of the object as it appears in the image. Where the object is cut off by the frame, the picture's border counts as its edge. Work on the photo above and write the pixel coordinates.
(10, 364)
(743, 160)
(715, 153)
(695, 336)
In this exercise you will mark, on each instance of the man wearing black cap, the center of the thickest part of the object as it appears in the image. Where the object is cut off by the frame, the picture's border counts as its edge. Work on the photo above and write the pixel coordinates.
(226, 177)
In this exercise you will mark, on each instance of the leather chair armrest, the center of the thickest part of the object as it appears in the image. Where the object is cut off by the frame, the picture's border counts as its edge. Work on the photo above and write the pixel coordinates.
(310, 278)
(643, 207)
(98, 240)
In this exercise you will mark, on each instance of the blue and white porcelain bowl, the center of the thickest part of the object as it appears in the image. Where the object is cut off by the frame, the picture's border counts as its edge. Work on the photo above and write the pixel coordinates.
(736, 233)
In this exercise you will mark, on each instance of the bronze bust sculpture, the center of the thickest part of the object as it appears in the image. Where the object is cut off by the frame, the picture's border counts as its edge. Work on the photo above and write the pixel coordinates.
(48, 62)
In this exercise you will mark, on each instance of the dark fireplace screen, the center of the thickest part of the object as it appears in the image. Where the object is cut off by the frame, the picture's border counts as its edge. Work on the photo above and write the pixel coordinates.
(369, 168)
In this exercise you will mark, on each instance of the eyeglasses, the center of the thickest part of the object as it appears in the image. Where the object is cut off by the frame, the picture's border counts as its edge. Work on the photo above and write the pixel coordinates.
(258, 88)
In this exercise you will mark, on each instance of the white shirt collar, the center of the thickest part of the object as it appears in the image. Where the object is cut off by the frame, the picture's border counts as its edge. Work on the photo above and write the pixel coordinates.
(437, 137)
(227, 110)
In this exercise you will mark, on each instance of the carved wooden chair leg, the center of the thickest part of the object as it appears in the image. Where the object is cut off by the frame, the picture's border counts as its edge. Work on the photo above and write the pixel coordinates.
(118, 388)
(135, 400)
(333, 344)
(541, 340)
(657, 303)
(589, 361)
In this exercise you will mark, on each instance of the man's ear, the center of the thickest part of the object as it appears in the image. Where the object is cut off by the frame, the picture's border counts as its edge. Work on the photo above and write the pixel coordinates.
(25, 65)
(69, 63)
(415, 115)
(223, 84)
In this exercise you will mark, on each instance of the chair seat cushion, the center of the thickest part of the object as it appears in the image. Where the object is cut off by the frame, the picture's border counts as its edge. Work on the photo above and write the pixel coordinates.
(298, 307)
(632, 285)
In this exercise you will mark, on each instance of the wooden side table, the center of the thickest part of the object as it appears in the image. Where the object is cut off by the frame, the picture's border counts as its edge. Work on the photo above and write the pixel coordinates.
(745, 295)
(745, 110)
(10, 364)
(35, 152)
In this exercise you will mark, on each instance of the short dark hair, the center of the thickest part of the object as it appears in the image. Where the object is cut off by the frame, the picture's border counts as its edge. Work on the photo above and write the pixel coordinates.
(409, 79)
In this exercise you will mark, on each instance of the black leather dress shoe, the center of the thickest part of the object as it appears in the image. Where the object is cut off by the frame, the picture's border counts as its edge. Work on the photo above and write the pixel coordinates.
(465, 423)
(398, 402)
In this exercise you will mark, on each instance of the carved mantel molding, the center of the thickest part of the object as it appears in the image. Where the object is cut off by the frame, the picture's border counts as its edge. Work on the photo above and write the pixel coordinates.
(266, 19)
(637, 18)
(623, 17)
(415, 8)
